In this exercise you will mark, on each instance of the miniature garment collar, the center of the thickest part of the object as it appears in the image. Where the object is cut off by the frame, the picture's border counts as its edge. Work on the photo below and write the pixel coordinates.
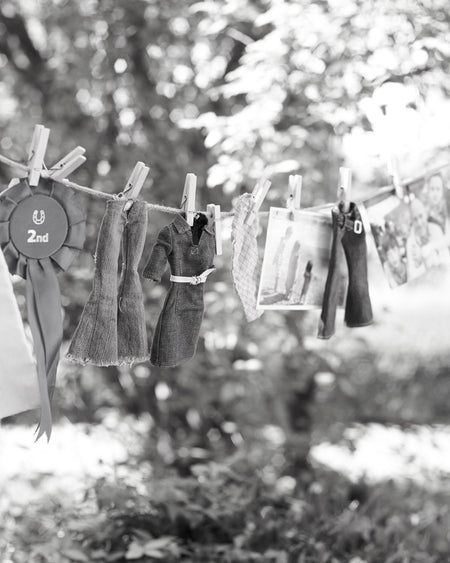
(182, 226)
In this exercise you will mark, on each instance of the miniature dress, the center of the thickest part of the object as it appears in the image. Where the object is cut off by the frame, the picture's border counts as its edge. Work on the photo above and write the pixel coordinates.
(190, 254)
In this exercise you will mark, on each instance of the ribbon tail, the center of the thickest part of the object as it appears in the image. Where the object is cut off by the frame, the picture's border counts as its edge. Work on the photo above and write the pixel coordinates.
(45, 423)
(44, 312)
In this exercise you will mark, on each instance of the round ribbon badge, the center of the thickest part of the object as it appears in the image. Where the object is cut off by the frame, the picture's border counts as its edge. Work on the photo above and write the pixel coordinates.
(38, 226)
(42, 229)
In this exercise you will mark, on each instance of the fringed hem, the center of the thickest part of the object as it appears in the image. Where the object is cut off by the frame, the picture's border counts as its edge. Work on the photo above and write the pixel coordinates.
(129, 361)
(119, 362)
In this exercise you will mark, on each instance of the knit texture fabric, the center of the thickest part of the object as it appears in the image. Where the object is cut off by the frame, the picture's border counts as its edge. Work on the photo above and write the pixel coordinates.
(106, 335)
(246, 264)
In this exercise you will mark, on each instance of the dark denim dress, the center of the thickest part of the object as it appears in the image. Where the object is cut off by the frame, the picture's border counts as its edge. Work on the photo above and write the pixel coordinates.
(177, 330)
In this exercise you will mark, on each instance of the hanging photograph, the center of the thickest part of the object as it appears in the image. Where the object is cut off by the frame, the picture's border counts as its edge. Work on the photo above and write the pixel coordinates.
(412, 236)
(295, 264)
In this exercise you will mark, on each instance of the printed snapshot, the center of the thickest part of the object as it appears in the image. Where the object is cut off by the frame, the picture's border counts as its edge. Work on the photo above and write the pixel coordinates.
(413, 236)
(295, 264)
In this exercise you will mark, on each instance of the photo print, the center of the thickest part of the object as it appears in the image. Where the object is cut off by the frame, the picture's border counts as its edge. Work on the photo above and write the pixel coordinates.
(412, 236)
(296, 257)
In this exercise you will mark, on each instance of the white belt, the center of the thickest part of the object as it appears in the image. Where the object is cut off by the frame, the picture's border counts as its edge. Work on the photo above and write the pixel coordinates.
(193, 280)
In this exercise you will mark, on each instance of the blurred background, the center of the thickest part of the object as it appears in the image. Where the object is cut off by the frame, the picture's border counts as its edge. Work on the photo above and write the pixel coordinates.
(269, 445)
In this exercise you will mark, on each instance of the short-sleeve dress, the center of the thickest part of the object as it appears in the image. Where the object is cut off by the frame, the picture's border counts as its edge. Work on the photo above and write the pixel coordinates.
(177, 330)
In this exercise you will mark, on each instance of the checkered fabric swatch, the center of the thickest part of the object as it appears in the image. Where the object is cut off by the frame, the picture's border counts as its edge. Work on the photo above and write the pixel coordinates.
(246, 264)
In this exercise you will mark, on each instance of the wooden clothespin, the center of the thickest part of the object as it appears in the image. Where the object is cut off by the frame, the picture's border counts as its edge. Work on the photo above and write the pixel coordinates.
(295, 193)
(258, 194)
(188, 199)
(67, 164)
(135, 183)
(36, 153)
(345, 187)
(395, 176)
(214, 212)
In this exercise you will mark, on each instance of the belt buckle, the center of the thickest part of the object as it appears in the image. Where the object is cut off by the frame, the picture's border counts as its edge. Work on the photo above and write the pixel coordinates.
(196, 280)
(357, 227)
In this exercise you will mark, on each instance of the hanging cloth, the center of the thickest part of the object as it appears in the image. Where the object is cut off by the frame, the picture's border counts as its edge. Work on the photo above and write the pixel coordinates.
(349, 239)
(42, 229)
(112, 328)
(190, 253)
(246, 264)
(18, 379)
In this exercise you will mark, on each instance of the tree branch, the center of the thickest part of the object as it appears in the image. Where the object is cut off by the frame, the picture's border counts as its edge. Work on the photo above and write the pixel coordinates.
(34, 72)
(16, 26)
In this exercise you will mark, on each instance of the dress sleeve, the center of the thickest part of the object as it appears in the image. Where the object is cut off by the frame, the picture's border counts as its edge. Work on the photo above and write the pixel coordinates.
(157, 262)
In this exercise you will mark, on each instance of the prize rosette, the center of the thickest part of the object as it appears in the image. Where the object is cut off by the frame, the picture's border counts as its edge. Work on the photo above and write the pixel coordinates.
(42, 229)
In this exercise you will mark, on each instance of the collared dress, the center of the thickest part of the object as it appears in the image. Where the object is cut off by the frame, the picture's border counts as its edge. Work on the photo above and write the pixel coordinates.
(177, 330)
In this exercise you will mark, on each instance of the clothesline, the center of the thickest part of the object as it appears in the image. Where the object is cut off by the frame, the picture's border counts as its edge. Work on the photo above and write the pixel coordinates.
(97, 193)
(85, 189)
(381, 192)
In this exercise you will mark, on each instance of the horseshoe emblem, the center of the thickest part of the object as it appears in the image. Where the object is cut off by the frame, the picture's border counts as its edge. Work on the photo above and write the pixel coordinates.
(38, 217)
